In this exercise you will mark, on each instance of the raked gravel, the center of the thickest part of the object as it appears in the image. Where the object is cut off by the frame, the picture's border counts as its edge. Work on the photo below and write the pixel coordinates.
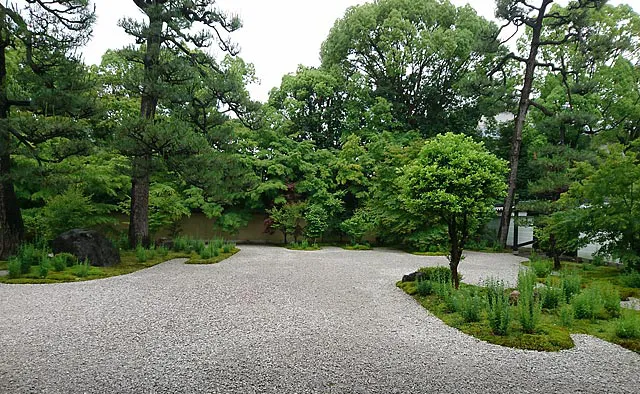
(270, 320)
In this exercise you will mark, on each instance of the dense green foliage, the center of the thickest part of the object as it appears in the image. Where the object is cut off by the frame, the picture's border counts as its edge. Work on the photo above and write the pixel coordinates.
(456, 181)
(361, 148)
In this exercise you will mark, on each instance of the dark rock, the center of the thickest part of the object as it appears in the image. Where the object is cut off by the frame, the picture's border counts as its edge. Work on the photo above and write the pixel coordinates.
(412, 277)
(87, 245)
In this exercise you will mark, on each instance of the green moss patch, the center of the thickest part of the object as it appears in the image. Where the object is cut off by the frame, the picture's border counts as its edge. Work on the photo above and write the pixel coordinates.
(552, 331)
(357, 247)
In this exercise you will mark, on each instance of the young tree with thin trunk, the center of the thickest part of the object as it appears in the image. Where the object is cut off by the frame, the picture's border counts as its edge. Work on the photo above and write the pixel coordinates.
(455, 181)
(41, 36)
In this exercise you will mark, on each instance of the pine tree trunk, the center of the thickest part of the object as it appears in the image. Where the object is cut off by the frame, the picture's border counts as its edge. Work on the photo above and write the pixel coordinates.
(523, 109)
(141, 166)
(139, 217)
(11, 225)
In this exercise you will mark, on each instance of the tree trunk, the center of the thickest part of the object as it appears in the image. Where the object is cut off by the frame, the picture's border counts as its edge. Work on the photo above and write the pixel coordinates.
(523, 109)
(11, 225)
(554, 252)
(139, 217)
(455, 253)
(141, 166)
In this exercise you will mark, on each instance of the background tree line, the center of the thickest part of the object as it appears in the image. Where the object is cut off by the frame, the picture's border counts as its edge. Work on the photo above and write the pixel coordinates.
(166, 127)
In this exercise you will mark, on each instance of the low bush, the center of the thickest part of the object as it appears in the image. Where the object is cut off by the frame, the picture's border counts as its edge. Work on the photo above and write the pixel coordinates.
(197, 245)
(81, 270)
(436, 274)
(566, 314)
(628, 326)
(30, 255)
(424, 287)
(588, 304)
(550, 296)
(69, 259)
(141, 254)
(498, 309)
(15, 268)
(162, 251)
(610, 299)
(43, 269)
(181, 244)
(59, 263)
(542, 268)
(470, 305)
(631, 279)
(570, 284)
(227, 247)
(529, 309)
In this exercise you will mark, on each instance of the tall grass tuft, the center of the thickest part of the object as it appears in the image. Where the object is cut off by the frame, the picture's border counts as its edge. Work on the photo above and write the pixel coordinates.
(498, 309)
(570, 284)
(628, 326)
(529, 309)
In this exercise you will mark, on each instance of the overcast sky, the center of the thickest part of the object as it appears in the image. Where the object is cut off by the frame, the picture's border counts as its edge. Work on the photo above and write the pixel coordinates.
(277, 35)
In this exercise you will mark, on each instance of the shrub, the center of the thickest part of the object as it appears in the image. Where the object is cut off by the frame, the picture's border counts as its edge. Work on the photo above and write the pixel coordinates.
(570, 285)
(69, 259)
(631, 279)
(598, 261)
(470, 305)
(73, 209)
(15, 268)
(81, 270)
(141, 254)
(197, 245)
(610, 299)
(566, 315)
(162, 251)
(542, 268)
(628, 326)
(43, 269)
(498, 309)
(228, 247)
(317, 222)
(358, 225)
(528, 305)
(151, 252)
(181, 244)
(550, 296)
(588, 304)
(217, 243)
(29, 255)
(424, 287)
(207, 252)
(216, 252)
(59, 263)
(436, 274)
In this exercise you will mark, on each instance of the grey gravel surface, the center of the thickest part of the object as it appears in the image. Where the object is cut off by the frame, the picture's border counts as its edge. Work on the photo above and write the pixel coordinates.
(270, 320)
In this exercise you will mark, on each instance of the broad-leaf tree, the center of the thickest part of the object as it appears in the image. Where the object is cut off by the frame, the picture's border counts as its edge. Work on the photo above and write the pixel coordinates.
(605, 206)
(457, 181)
(427, 58)
(37, 43)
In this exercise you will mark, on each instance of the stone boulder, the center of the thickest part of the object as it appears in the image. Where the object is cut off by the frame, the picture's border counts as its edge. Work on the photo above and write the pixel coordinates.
(87, 244)
(412, 277)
